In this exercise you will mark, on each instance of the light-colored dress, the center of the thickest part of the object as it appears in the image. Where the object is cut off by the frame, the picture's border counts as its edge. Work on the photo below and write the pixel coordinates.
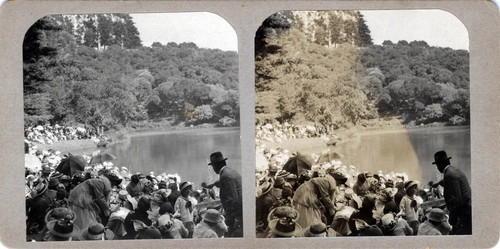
(90, 199)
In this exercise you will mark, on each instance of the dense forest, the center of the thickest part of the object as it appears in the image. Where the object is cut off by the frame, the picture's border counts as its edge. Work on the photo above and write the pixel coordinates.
(93, 69)
(322, 68)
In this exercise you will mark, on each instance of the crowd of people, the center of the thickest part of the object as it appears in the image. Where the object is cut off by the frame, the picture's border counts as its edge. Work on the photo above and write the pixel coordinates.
(101, 201)
(278, 132)
(332, 199)
(48, 134)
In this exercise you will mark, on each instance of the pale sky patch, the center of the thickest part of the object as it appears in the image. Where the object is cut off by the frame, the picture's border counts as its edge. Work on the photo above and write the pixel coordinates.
(436, 27)
(206, 30)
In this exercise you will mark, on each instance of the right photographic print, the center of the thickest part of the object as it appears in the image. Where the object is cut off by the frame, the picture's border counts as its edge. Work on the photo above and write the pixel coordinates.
(362, 124)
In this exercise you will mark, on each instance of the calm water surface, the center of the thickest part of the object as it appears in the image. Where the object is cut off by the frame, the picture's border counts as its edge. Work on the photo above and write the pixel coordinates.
(184, 152)
(411, 151)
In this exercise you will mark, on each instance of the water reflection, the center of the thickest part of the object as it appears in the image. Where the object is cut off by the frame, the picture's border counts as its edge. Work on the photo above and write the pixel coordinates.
(185, 152)
(411, 151)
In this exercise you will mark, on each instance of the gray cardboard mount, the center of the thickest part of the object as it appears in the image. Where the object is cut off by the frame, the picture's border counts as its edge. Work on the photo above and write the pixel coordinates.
(481, 19)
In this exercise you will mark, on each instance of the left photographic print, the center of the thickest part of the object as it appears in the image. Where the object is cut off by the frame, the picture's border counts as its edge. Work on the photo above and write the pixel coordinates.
(131, 127)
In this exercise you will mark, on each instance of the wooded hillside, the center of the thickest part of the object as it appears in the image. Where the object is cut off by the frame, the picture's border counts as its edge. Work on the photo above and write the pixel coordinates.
(92, 69)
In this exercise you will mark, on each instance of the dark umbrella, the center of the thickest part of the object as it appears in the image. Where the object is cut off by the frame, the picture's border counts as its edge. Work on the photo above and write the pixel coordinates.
(101, 158)
(329, 156)
(71, 164)
(299, 163)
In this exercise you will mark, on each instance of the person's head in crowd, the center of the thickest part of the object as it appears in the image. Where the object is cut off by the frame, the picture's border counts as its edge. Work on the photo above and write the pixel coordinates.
(441, 160)
(166, 208)
(218, 161)
(173, 186)
(46, 170)
(361, 178)
(66, 181)
(340, 178)
(212, 217)
(411, 188)
(279, 182)
(165, 224)
(368, 204)
(149, 233)
(62, 230)
(284, 228)
(400, 185)
(144, 203)
(97, 231)
(186, 188)
(436, 216)
(148, 187)
(390, 207)
(53, 183)
(134, 179)
(389, 183)
(423, 194)
(388, 223)
(317, 230)
(162, 185)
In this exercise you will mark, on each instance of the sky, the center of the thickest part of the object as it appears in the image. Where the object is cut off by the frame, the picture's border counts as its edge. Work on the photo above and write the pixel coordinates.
(436, 27)
(206, 30)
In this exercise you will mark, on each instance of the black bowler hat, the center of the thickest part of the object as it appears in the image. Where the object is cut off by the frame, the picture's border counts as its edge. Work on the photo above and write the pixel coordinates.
(441, 156)
(216, 157)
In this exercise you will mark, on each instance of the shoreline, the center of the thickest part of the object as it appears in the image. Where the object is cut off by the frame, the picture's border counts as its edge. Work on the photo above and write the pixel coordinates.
(88, 146)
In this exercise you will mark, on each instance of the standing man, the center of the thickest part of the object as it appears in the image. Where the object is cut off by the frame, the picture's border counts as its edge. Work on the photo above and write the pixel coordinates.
(457, 194)
(230, 194)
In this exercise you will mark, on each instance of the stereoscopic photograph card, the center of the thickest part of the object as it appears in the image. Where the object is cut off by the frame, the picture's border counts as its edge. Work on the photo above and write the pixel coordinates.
(353, 110)
(249, 124)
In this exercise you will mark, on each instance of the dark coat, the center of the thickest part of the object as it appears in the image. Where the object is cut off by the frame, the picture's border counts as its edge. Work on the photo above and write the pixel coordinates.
(140, 215)
(457, 192)
(264, 204)
(230, 192)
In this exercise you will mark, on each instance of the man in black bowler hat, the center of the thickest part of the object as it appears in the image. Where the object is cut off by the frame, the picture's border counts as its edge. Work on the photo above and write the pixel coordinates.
(230, 194)
(457, 194)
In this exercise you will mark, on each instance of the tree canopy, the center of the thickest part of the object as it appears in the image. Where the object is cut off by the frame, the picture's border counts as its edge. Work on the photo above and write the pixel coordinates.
(322, 68)
(93, 69)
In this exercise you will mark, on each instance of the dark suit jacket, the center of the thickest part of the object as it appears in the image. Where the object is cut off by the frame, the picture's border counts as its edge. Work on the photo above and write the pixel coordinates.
(230, 192)
(457, 192)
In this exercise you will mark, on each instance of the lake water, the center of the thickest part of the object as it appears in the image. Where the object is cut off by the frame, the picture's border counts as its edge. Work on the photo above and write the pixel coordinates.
(184, 152)
(411, 151)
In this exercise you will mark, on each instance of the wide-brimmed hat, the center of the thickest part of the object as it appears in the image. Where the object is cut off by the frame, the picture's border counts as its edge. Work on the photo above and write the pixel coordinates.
(283, 212)
(97, 231)
(388, 222)
(283, 174)
(149, 233)
(212, 215)
(185, 185)
(216, 157)
(316, 230)
(348, 193)
(284, 227)
(63, 228)
(56, 175)
(59, 213)
(266, 185)
(40, 188)
(410, 184)
(441, 156)
(279, 181)
(436, 214)
(53, 182)
(122, 194)
(166, 208)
